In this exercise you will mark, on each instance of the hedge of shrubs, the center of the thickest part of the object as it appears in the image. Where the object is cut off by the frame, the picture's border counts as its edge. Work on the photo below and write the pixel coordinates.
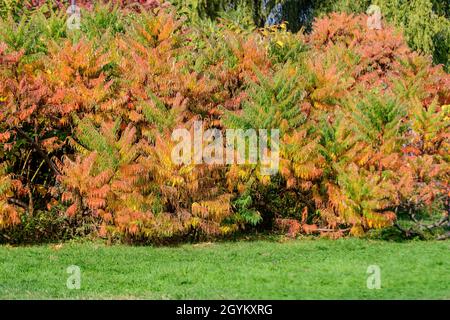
(86, 118)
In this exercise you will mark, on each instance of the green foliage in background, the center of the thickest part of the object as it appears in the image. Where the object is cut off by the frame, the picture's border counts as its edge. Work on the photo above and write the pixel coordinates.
(425, 23)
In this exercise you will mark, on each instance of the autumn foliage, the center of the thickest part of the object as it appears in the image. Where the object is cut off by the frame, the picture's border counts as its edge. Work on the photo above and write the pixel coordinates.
(85, 127)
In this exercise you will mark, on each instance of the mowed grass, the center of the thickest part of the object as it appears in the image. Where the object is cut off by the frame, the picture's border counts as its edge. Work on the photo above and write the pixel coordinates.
(302, 269)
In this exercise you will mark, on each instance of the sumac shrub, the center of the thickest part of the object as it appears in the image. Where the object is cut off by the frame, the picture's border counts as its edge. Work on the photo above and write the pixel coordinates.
(86, 122)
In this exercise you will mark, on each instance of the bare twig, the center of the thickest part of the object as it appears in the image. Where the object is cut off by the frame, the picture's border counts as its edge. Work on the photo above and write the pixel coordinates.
(444, 236)
(408, 232)
(17, 202)
(331, 230)
(430, 227)
(39, 150)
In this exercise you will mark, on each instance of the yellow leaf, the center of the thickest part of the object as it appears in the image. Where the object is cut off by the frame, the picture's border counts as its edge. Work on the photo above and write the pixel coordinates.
(356, 231)
(134, 116)
(225, 229)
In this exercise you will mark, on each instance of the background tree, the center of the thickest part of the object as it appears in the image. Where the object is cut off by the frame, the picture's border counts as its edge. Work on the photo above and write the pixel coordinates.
(425, 23)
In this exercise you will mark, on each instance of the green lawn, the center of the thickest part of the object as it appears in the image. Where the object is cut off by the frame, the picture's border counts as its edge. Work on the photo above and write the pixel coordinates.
(302, 269)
